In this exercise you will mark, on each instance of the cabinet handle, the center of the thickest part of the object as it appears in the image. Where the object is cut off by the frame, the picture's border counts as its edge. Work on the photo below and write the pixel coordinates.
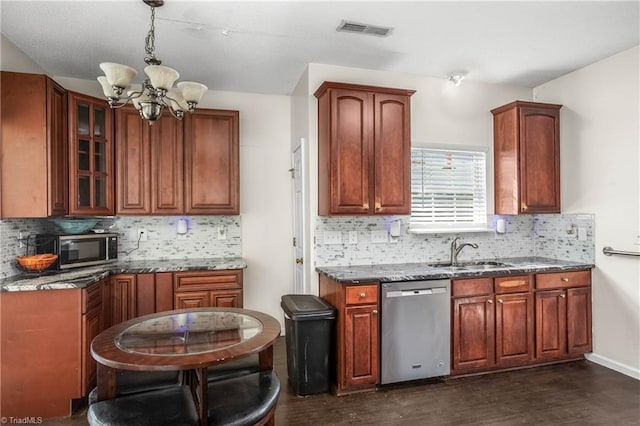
(374, 312)
(363, 295)
(500, 301)
(563, 295)
(564, 279)
(490, 301)
(299, 261)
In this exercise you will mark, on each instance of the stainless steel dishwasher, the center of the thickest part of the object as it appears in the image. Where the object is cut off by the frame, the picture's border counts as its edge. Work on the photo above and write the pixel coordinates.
(416, 330)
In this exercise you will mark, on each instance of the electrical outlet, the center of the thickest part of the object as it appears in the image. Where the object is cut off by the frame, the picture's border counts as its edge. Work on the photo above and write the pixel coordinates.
(222, 233)
(332, 237)
(379, 236)
(142, 235)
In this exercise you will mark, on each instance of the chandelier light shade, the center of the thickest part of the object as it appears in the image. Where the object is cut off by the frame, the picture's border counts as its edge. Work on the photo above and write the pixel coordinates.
(156, 91)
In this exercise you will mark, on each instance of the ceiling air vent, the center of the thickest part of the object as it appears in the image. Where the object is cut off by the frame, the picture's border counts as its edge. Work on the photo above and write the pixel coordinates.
(354, 27)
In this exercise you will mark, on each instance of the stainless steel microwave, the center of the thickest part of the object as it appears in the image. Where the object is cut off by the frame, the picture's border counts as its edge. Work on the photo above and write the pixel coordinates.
(75, 251)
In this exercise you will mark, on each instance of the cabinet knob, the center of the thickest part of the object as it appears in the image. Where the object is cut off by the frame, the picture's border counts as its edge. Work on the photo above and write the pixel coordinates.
(524, 207)
(365, 206)
(378, 206)
(299, 261)
(374, 312)
(490, 301)
(563, 295)
(564, 279)
(500, 301)
(363, 295)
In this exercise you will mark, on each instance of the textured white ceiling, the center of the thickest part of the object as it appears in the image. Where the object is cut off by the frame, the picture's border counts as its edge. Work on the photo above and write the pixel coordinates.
(268, 44)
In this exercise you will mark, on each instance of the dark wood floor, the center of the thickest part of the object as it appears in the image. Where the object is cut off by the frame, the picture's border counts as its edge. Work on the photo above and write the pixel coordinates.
(577, 393)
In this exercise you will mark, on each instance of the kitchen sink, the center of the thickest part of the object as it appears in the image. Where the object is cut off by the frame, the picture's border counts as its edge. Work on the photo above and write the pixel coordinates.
(472, 266)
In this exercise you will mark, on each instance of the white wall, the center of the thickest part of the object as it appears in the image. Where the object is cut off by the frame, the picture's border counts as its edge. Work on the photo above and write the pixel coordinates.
(440, 114)
(14, 59)
(600, 164)
(265, 183)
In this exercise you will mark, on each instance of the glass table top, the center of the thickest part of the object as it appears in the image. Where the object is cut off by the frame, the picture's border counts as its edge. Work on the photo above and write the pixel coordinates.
(188, 333)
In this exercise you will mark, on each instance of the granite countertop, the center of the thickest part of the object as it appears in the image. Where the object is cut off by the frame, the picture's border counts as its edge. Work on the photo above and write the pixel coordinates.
(83, 277)
(431, 271)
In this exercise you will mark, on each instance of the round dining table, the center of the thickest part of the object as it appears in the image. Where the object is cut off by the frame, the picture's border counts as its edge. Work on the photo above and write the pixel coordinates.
(190, 340)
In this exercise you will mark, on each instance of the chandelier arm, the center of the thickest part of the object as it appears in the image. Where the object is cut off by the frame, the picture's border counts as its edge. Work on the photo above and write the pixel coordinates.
(177, 113)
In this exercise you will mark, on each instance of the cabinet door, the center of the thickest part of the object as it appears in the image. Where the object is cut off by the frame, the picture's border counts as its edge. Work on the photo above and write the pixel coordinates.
(57, 147)
(167, 166)
(91, 183)
(34, 161)
(132, 165)
(540, 160)
(473, 333)
(211, 162)
(92, 325)
(392, 154)
(123, 298)
(579, 320)
(145, 289)
(226, 299)
(350, 157)
(191, 299)
(361, 346)
(551, 324)
(514, 328)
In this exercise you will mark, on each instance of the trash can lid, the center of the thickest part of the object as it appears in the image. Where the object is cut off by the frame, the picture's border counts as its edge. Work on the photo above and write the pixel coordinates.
(302, 307)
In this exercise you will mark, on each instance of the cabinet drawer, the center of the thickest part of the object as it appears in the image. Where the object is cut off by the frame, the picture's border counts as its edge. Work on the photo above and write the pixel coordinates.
(563, 279)
(361, 294)
(472, 287)
(207, 280)
(517, 284)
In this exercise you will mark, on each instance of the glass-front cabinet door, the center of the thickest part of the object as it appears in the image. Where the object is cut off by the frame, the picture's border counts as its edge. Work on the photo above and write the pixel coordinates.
(91, 184)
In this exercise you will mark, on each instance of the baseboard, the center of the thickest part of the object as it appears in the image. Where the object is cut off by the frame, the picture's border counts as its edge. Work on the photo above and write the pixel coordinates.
(614, 365)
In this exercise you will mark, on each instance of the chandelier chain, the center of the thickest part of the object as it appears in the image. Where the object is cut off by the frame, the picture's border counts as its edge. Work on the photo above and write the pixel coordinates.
(150, 41)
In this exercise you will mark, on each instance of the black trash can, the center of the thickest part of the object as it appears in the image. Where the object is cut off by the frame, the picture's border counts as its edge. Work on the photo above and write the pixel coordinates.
(309, 325)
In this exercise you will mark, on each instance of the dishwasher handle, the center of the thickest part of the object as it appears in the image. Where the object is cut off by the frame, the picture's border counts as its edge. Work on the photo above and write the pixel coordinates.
(417, 292)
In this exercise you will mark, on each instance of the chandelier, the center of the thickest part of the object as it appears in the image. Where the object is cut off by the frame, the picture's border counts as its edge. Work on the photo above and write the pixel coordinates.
(157, 91)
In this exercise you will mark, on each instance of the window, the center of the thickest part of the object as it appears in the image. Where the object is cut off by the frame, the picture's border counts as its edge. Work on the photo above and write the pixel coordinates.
(448, 190)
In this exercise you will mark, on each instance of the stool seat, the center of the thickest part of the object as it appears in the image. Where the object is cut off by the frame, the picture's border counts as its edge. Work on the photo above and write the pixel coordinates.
(243, 400)
(240, 367)
(171, 407)
(130, 382)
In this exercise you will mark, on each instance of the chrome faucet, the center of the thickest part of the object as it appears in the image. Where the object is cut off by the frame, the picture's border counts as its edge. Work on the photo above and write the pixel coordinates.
(456, 249)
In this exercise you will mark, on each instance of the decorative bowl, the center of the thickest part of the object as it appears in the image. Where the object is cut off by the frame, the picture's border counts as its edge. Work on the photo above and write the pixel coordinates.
(37, 262)
(75, 225)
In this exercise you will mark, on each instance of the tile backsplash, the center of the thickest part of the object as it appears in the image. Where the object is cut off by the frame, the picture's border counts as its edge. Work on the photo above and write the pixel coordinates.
(201, 241)
(539, 235)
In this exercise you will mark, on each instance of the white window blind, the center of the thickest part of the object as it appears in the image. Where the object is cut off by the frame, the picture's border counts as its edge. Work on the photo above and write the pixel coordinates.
(448, 189)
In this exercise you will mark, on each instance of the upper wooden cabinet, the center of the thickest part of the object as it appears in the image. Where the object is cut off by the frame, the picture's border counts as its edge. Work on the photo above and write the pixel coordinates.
(364, 149)
(91, 181)
(526, 145)
(212, 179)
(149, 164)
(34, 162)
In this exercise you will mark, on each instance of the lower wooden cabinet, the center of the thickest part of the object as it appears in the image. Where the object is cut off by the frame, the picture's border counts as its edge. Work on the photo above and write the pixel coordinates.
(563, 315)
(93, 323)
(357, 334)
(493, 328)
(200, 289)
(505, 322)
(473, 333)
(123, 295)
